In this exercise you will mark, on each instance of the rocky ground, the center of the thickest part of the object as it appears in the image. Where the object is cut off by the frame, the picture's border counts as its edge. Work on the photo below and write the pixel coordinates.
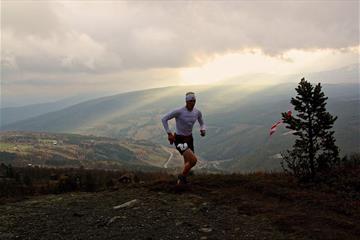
(206, 209)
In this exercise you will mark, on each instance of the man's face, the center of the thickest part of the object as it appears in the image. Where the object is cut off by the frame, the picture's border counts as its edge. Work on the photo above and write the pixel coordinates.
(190, 104)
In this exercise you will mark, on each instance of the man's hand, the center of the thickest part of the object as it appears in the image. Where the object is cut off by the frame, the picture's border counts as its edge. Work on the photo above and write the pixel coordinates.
(171, 138)
(202, 133)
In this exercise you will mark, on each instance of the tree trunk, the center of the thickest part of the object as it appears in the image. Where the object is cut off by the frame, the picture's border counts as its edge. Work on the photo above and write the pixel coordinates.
(311, 149)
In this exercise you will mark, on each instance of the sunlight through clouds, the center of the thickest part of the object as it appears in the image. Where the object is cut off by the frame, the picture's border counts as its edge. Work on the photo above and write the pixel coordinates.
(133, 45)
(255, 62)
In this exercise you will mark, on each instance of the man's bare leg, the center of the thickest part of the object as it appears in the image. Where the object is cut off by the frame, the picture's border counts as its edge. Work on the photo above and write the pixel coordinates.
(189, 161)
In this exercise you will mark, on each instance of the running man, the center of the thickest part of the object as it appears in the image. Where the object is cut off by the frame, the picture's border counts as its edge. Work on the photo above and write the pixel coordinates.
(185, 118)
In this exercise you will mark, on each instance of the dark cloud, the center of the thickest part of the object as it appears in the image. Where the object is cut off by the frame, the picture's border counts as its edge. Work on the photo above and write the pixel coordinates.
(169, 34)
(218, 27)
(48, 44)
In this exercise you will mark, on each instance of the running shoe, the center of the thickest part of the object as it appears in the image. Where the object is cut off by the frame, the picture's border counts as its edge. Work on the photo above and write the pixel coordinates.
(181, 180)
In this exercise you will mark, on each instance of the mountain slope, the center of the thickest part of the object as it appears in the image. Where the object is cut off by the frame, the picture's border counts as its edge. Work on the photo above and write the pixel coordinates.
(238, 119)
(9, 115)
(73, 150)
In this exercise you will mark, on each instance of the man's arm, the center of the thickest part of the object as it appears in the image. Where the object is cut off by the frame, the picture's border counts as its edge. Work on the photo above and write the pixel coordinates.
(167, 117)
(165, 120)
(202, 124)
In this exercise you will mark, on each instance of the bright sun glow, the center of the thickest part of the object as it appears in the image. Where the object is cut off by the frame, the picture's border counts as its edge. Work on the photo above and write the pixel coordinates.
(254, 61)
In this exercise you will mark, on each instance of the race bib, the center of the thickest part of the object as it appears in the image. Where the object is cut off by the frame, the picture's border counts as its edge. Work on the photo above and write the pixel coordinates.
(182, 146)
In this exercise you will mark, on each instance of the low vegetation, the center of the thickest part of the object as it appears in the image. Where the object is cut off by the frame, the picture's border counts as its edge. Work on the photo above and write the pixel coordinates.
(274, 205)
(19, 182)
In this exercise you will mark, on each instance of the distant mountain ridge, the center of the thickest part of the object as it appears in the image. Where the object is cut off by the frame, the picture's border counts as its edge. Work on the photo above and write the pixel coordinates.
(9, 115)
(347, 74)
(238, 120)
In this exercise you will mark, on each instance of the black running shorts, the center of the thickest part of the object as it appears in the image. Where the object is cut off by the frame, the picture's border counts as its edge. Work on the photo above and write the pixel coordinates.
(182, 143)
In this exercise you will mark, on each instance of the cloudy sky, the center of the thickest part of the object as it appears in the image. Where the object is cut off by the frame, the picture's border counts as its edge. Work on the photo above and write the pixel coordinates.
(55, 49)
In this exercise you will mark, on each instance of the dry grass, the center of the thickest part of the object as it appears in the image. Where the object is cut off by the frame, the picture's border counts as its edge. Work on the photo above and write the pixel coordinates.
(312, 211)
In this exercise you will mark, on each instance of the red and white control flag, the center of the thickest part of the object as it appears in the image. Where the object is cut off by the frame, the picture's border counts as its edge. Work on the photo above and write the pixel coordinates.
(274, 127)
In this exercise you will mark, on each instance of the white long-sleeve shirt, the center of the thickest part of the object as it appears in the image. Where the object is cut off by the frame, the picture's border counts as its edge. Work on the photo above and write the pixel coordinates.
(184, 119)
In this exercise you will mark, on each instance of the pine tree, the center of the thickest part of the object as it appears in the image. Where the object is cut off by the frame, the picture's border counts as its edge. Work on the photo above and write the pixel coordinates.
(314, 150)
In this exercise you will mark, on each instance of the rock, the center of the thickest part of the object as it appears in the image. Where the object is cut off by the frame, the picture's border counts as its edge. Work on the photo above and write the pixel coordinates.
(7, 236)
(188, 224)
(129, 178)
(100, 222)
(127, 204)
(204, 208)
(113, 219)
(77, 214)
(178, 223)
(205, 230)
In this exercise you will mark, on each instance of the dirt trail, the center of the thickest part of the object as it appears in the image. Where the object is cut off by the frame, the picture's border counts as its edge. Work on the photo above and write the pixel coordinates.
(162, 211)
(170, 157)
